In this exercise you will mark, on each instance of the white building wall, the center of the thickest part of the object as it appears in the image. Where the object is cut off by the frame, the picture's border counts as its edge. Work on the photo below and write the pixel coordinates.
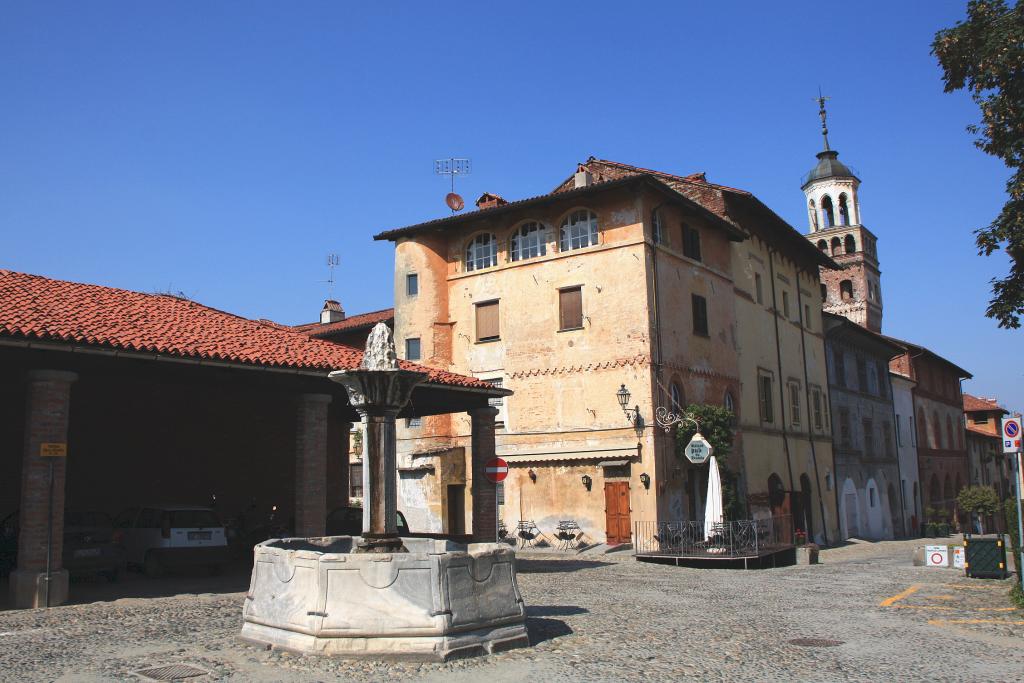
(906, 440)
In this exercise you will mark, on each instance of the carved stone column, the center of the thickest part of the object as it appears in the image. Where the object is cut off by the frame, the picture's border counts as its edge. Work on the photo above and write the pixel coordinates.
(378, 391)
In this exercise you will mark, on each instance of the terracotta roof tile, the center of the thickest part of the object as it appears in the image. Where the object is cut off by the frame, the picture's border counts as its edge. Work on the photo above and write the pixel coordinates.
(352, 322)
(974, 403)
(36, 307)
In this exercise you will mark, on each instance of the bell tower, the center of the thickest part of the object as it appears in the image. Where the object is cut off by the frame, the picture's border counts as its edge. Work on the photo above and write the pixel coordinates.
(833, 213)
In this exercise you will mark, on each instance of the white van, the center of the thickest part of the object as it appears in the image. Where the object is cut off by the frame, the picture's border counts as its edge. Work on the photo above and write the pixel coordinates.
(159, 538)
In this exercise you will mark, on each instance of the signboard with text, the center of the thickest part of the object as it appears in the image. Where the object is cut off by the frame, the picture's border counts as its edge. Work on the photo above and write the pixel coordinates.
(698, 450)
(53, 450)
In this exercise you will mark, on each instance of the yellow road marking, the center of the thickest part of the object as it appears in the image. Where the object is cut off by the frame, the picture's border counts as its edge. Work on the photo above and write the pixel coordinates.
(888, 602)
(996, 609)
(935, 607)
(943, 622)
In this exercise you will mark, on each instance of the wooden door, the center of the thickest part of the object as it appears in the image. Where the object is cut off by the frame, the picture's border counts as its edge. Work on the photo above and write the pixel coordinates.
(616, 510)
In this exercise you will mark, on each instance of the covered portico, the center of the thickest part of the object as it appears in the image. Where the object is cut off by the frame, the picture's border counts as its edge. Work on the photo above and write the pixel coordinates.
(135, 399)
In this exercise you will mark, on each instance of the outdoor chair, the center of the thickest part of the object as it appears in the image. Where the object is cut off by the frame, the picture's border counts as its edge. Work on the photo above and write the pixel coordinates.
(527, 532)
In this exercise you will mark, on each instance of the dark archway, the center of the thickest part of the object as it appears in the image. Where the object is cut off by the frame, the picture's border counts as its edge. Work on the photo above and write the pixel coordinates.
(805, 504)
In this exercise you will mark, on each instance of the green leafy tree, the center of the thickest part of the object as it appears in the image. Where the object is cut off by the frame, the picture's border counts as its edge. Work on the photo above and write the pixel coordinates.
(985, 55)
(716, 425)
(982, 500)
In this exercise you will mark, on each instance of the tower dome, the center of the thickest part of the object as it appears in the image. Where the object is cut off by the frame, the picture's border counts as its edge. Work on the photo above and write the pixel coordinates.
(828, 166)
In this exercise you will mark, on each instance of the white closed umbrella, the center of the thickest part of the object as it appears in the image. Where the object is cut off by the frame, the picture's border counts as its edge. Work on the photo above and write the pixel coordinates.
(713, 506)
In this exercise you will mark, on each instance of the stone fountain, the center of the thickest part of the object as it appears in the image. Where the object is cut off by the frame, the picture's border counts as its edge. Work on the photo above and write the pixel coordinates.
(380, 595)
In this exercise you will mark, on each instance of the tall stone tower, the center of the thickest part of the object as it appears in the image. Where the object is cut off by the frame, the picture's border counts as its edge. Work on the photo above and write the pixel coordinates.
(833, 213)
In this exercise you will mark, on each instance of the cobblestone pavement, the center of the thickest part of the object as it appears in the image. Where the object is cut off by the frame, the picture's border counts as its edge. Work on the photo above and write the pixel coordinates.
(599, 618)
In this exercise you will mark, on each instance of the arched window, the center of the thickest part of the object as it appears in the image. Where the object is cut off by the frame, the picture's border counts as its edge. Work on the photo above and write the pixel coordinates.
(937, 430)
(828, 216)
(658, 228)
(922, 428)
(947, 492)
(846, 290)
(482, 252)
(823, 245)
(949, 433)
(837, 246)
(676, 394)
(849, 245)
(844, 210)
(579, 230)
(934, 492)
(812, 212)
(528, 241)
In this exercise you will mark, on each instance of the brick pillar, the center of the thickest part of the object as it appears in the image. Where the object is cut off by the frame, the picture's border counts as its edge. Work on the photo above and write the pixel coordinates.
(311, 465)
(485, 514)
(48, 397)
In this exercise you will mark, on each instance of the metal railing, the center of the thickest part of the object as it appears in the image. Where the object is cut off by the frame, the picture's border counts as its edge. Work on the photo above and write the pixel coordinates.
(739, 538)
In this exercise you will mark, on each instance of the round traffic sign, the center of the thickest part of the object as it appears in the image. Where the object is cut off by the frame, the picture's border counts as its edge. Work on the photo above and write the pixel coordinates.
(1011, 429)
(496, 470)
(937, 558)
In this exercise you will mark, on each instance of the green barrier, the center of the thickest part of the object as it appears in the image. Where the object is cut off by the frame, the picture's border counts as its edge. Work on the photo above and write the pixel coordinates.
(985, 558)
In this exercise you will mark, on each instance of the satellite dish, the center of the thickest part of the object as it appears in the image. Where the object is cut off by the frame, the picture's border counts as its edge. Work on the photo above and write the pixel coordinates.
(454, 202)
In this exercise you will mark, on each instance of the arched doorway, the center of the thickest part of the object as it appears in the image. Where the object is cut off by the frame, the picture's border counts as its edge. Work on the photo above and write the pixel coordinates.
(806, 523)
(778, 500)
(894, 511)
(849, 509)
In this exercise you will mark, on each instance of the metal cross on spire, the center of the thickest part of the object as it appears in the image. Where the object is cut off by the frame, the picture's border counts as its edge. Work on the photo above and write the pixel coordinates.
(821, 99)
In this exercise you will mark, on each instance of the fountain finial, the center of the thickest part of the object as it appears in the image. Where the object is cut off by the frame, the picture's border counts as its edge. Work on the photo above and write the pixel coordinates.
(380, 350)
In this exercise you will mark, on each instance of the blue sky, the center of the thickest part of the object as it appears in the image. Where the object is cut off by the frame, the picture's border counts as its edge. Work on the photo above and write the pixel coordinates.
(222, 149)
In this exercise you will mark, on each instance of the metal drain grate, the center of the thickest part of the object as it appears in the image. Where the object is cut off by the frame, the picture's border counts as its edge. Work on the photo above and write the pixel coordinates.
(170, 672)
(815, 642)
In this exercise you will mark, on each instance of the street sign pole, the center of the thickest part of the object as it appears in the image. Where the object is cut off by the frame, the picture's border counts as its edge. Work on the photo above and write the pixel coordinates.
(1012, 446)
(1020, 523)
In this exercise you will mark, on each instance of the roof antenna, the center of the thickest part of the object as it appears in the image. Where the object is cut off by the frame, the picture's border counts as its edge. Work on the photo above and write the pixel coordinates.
(453, 167)
(333, 261)
(820, 99)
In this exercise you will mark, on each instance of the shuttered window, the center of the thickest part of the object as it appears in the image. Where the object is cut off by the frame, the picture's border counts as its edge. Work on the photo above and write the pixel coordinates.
(691, 242)
(570, 308)
(487, 321)
(700, 315)
(764, 387)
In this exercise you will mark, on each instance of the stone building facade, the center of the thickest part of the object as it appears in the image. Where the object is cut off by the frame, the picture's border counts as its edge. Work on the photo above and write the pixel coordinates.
(680, 289)
(868, 471)
(986, 462)
(939, 420)
(854, 291)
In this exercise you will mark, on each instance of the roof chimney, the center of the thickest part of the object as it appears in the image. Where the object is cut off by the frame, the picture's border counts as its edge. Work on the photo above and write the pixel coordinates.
(489, 201)
(583, 178)
(332, 312)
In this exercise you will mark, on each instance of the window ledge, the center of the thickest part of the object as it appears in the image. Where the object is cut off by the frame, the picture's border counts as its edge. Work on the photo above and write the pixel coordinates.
(571, 329)
(489, 340)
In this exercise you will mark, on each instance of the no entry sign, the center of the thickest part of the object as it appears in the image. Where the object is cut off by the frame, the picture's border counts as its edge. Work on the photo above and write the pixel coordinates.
(496, 470)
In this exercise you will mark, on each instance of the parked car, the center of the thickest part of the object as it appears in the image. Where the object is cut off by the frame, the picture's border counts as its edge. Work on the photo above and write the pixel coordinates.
(172, 537)
(88, 544)
(348, 521)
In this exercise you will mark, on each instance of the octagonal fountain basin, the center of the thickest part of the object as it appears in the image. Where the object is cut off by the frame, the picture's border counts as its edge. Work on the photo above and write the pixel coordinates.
(438, 600)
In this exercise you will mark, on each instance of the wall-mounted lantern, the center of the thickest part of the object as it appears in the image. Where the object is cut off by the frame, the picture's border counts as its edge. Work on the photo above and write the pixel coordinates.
(632, 414)
(532, 475)
(587, 481)
(645, 479)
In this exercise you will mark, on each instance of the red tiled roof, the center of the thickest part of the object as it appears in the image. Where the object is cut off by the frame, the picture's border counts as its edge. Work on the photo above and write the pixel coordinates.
(974, 403)
(36, 307)
(352, 322)
(626, 180)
